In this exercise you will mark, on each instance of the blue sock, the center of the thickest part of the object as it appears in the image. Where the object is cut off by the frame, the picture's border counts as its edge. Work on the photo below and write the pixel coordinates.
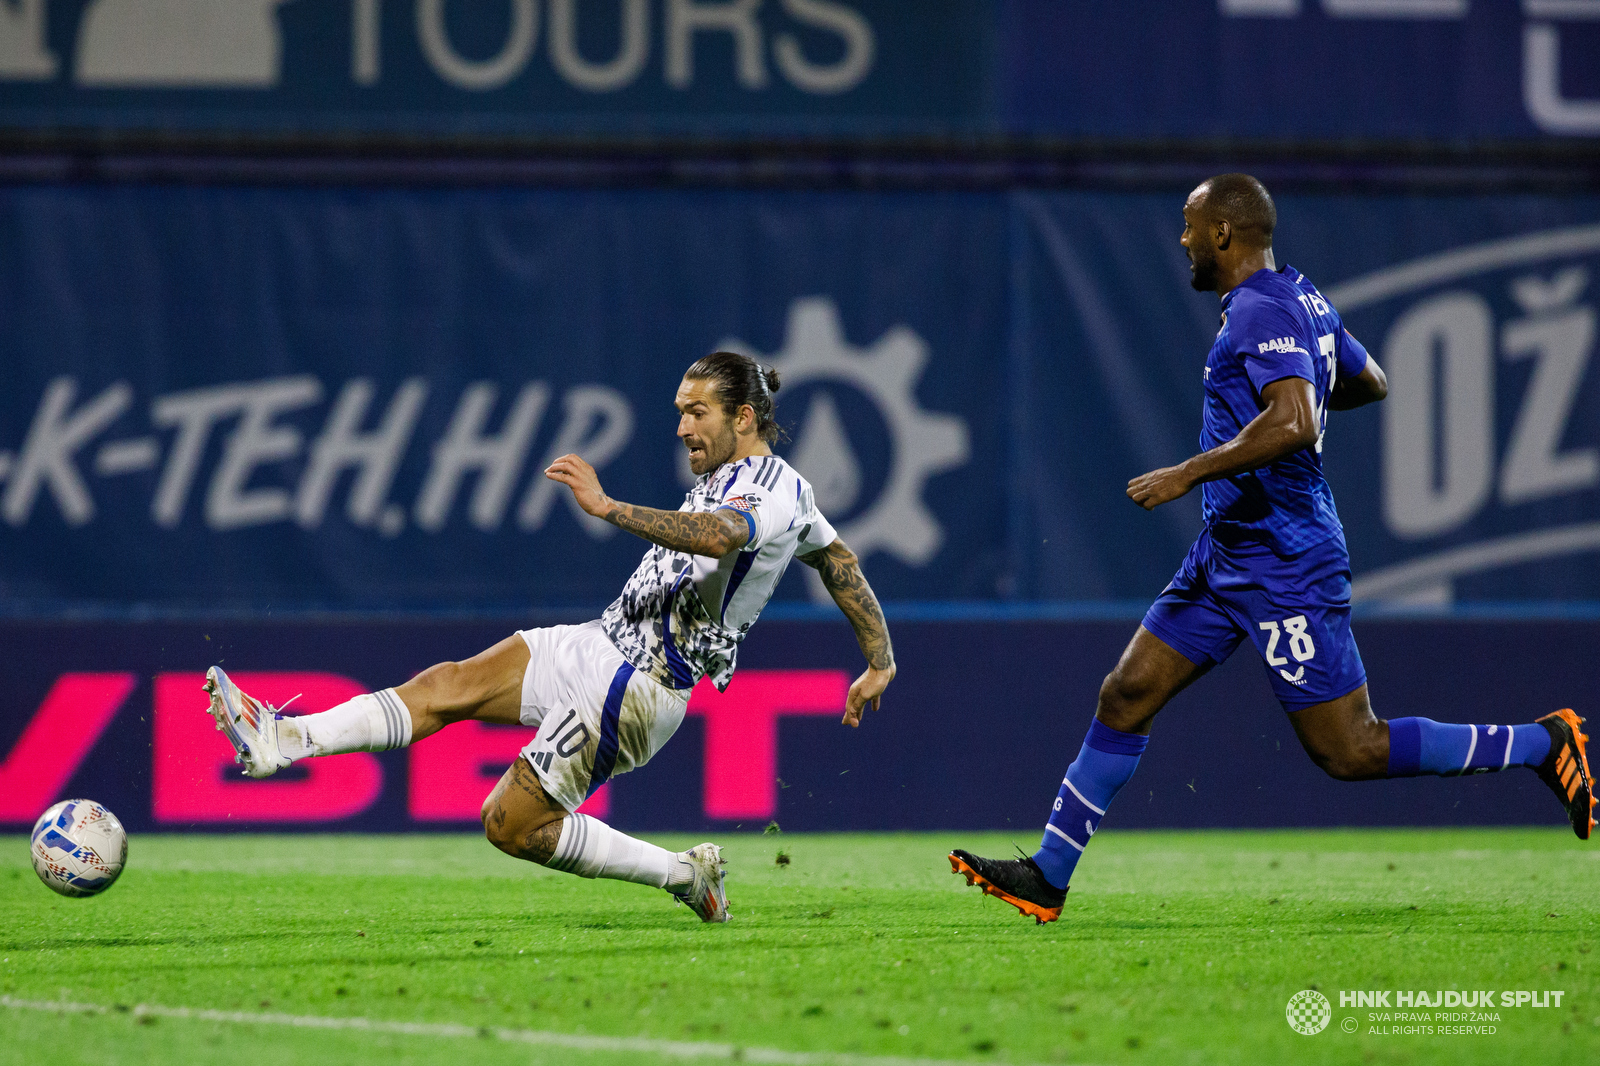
(1104, 764)
(1423, 746)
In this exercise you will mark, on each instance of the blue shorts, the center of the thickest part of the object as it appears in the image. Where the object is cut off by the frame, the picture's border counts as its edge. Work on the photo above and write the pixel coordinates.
(1296, 610)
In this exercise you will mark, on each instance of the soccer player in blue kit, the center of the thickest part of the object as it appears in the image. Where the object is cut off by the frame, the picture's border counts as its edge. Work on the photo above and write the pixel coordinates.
(1270, 566)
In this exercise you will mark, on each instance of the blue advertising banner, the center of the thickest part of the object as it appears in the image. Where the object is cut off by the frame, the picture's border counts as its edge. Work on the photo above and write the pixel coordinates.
(289, 399)
(242, 399)
(1447, 72)
(618, 68)
(975, 732)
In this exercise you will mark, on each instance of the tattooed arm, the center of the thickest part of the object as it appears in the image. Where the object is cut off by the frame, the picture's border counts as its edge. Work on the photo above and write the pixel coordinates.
(841, 576)
(714, 533)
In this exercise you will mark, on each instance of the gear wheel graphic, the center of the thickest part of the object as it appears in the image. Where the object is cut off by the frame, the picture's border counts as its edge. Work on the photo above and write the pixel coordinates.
(924, 443)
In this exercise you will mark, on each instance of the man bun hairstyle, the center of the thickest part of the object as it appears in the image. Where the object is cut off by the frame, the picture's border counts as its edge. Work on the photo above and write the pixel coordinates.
(1243, 201)
(741, 380)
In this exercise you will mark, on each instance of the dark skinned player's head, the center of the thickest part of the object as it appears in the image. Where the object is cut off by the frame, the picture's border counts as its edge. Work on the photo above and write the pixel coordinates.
(1229, 215)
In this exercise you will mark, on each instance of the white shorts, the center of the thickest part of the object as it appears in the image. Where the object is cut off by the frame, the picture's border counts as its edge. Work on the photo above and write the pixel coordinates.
(597, 716)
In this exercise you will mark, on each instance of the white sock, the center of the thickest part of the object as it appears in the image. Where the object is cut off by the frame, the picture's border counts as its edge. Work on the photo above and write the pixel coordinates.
(373, 721)
(590, 848)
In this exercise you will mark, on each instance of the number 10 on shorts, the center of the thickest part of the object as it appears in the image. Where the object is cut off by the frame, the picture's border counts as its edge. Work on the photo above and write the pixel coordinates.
(1301, 645)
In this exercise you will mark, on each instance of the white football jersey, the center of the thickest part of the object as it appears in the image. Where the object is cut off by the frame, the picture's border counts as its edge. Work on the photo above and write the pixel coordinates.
(681, 617)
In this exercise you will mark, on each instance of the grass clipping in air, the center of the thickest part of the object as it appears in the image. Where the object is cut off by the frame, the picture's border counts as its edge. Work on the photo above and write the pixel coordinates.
(1172, 947)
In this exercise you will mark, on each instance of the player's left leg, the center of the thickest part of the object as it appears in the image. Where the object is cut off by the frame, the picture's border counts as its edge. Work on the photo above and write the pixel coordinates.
(1182, 636)
(1350, 743)
(522, 820)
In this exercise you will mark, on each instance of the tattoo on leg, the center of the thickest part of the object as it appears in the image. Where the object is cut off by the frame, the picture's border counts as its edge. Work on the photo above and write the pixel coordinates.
(524, 778)
(540, 845)
(535, 845)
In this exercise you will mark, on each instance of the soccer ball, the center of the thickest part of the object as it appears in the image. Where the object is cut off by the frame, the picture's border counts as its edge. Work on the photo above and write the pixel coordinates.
(78, 847)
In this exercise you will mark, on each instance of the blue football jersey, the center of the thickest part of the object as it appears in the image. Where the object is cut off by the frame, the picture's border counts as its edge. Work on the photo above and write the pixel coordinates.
(1275, 325)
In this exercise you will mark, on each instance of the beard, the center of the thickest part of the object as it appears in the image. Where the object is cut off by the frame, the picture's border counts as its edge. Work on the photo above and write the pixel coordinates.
(714, 451)
(1203, 277)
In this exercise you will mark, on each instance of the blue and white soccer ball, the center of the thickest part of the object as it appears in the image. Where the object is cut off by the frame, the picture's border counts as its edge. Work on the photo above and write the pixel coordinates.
(79, 847)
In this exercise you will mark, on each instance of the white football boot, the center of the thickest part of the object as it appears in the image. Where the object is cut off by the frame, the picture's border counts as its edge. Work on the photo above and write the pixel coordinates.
(251, 726)
(705, 896)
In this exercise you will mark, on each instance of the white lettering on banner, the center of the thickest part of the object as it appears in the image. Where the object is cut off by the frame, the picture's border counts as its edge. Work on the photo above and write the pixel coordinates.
(23, 55)
(1559, 337)
(1272, 9)
(1438, 459)
(1541, 84)
(366, 53)
(127, 456)
(255, 442)
(497, 459)
(1439, 419)
(478, 75)
(1395, 9)
(599, 424)
(1541, 46)
(193, 413)
(686, 18)
(860, 47)
(616, 73)
(239, 44)
(1434, 440)
(375, 455)
(180, 44)
(52, 441)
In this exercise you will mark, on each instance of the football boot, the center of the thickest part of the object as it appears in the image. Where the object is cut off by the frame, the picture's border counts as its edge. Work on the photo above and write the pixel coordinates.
(1566, 769)
(1019, 882)
(250, 725)
(705, 896)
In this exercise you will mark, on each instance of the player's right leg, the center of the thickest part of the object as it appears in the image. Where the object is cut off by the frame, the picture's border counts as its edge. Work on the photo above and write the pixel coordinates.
(1147, 676)
(486, 687)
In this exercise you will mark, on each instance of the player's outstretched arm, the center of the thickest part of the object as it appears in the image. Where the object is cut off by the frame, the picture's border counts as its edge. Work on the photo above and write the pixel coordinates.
(842, 577)
(1286, 424)
(715, 533)
(1369, 386)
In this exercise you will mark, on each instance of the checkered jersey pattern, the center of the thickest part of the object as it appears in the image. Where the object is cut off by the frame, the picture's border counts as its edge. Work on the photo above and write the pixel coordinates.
(681, 617)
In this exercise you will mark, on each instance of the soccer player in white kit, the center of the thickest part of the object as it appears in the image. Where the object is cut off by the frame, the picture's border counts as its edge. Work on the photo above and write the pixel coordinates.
(607, 694)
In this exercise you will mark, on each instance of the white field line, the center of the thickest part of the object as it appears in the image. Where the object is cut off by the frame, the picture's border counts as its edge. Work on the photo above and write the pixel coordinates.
(571, 1041)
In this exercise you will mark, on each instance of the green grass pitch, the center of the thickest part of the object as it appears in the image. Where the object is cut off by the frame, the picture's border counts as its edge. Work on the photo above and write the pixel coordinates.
(1174, 948)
